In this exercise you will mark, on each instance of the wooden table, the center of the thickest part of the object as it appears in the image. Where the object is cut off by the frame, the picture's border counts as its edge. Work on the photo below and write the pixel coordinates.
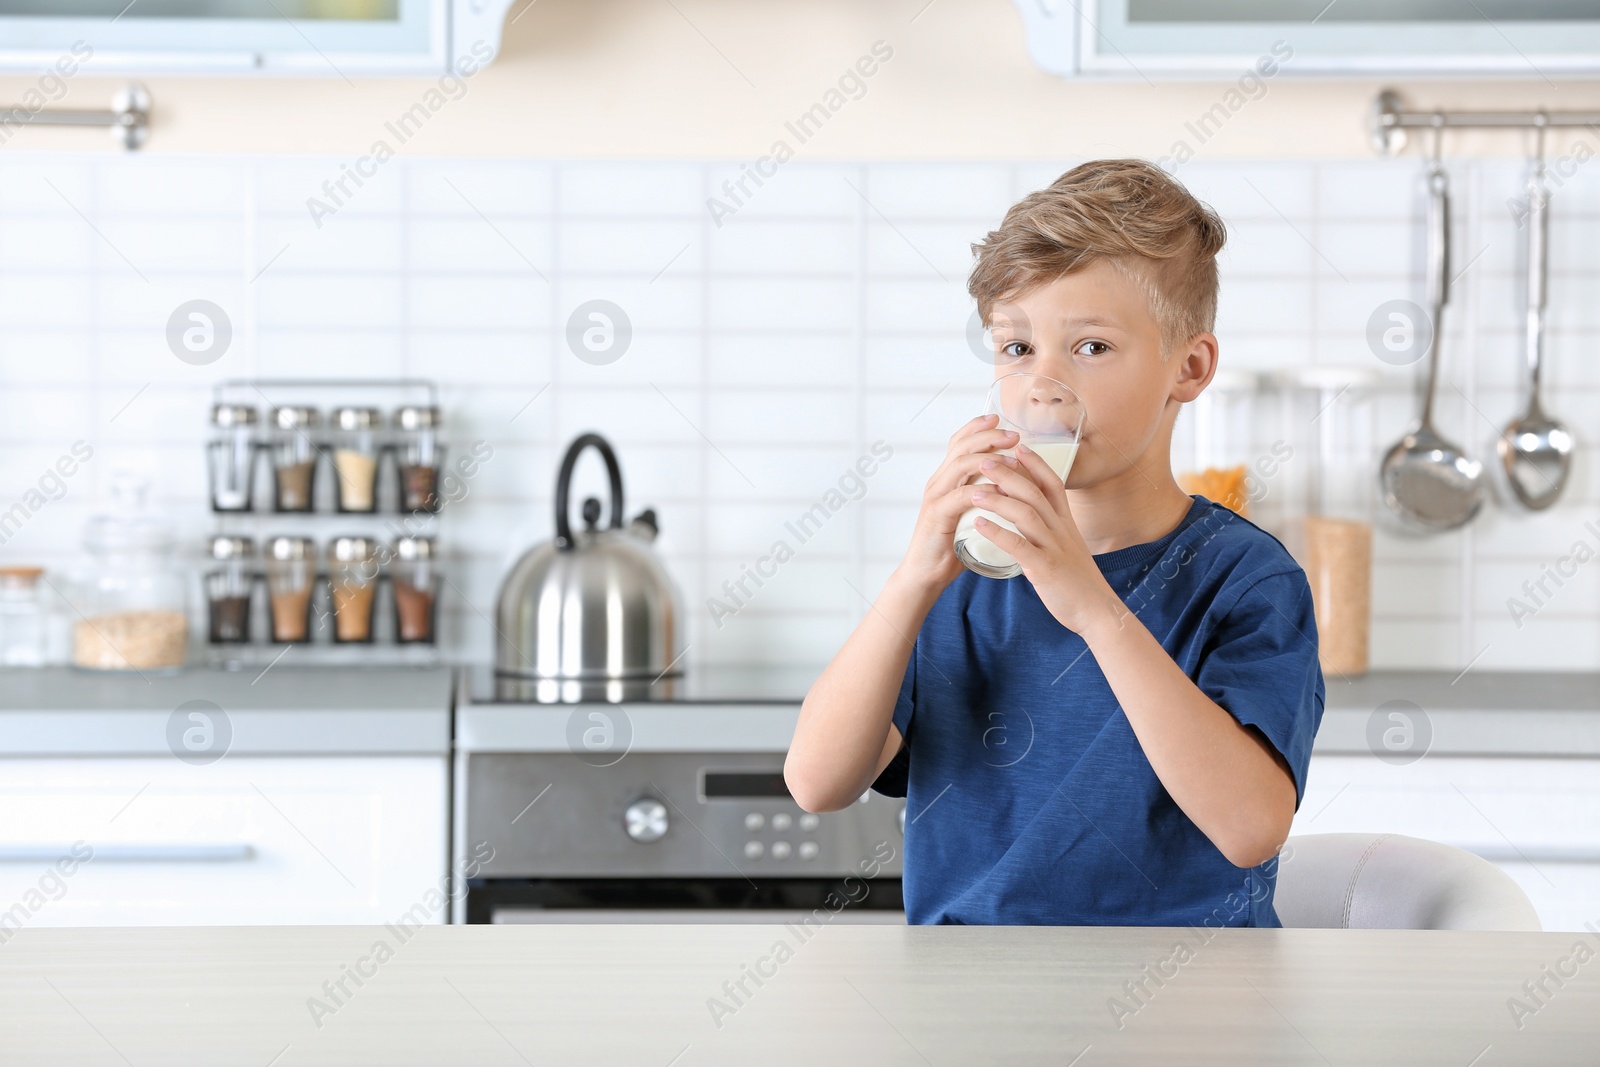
(656, 996)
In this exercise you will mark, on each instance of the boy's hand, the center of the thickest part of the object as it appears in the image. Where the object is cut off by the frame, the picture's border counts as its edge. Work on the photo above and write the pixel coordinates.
(931, 561)
(1051, 550)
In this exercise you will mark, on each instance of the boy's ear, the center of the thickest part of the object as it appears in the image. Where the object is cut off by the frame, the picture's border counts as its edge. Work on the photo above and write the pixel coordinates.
(1196, 364)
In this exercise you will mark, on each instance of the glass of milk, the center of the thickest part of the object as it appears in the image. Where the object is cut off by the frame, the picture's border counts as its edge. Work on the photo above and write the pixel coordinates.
(1047, 417)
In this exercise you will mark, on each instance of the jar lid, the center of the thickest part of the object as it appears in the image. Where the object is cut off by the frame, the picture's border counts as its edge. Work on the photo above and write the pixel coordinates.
(417, 418)
(416, 548)
(288, 549)
(20, 577)
(232, 546)
(129, 526)
(352, 549)
(228, 416)
(295, 418)
(357, 418)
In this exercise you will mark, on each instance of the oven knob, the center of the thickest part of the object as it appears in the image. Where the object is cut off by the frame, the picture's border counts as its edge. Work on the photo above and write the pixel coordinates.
(753, 850)
(808, 850)
(780, 850)
(809, 822)
(780, 821)
(754, 821)
(646, 820)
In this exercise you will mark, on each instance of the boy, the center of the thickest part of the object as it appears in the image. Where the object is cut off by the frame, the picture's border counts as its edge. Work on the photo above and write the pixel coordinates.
(1120, 735)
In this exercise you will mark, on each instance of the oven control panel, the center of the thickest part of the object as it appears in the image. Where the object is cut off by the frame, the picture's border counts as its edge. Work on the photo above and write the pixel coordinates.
(669, 814)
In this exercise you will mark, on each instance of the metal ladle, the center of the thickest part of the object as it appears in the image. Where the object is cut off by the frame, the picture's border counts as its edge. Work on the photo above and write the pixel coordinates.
(1536, 450)
(1430, 483)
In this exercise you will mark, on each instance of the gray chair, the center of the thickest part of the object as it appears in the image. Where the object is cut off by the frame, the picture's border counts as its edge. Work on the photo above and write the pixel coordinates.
(1390, 882)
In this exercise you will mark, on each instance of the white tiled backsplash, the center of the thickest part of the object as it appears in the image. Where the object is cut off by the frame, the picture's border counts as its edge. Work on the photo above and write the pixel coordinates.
(768, 354)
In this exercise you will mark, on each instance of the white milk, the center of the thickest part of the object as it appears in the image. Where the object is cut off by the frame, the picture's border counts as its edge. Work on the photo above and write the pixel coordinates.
(994, 561)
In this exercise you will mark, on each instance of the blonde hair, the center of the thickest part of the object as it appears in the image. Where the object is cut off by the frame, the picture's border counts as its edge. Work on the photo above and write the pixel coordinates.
(1127, 212)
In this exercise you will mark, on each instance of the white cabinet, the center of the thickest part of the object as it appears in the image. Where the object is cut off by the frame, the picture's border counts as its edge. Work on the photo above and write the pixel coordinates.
(1537, 819)
(245, 840)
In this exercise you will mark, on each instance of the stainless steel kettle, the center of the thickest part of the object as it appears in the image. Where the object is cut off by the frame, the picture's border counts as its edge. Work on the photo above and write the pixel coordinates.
(591, 606)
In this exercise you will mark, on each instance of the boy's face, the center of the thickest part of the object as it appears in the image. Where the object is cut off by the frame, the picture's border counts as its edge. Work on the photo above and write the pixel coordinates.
(1093, 330)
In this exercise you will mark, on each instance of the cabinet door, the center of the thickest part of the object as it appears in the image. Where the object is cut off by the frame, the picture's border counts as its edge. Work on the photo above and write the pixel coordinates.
(1537, 819)
(242, 841)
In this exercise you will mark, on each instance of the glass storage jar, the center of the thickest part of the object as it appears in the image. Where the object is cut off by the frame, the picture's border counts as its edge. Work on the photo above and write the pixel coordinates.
(291, 581)
(21, 617)
(129, 603)
(353, 578)
(229, 585)
(294, 457)
(1214, 441)
(1330, 528)
(231, 456)
(413, 577)
(419, 454)
(355, 458)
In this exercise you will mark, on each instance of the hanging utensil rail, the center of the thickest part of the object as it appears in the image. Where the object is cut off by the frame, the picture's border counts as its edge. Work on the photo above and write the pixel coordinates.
(128, 118)
(1390, 121)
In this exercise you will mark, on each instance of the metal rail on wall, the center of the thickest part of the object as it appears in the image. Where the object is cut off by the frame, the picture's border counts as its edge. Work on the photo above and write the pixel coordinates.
(128, 118)
(1390, 121)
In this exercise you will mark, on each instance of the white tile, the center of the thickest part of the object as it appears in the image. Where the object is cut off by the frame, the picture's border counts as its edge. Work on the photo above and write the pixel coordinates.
(781, 358)
(59, 187)
(314, 353)
(1544, 642)
(142, 185)
(920, 305)
(494, 302)
(61, 244)
(666, 249)
(511, 358)
(739, 533)
(785, 247)
(308, 188)
(286, 245)
(467, 187)
(1372, 189)
(753, 304)
(192, 245)
(968, 191)
(469, 244)
(630, 188)
(630, 415)
(30, 357)
(747, 416)
(797, 190)
(777, 472)
(339, 301)
(36, 300)
(921, 250)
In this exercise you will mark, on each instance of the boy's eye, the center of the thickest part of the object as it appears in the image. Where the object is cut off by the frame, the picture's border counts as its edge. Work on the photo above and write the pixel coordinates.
(1014, 350)
(1094, 348)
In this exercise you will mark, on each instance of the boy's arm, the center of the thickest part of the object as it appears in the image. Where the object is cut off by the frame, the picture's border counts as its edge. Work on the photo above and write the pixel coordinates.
(840, 743)
(845, 735)
(1225, 776)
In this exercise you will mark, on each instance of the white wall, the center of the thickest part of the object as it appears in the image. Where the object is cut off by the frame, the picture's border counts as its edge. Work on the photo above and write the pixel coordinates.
(717, 79)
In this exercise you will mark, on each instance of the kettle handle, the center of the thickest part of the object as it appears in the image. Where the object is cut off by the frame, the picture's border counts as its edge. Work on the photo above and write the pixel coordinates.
(564, 485)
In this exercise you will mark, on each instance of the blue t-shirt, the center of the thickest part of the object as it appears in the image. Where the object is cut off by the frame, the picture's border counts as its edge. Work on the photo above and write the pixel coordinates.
(1029, 799)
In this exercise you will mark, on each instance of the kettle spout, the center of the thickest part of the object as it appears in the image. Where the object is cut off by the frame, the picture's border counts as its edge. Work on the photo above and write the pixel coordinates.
(644, 525)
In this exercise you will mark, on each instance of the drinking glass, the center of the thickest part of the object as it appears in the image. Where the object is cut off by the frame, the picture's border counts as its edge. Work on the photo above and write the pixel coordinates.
(1048, 418)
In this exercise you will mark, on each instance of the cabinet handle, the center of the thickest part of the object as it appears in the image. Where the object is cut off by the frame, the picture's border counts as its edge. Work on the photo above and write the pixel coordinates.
(224, 852)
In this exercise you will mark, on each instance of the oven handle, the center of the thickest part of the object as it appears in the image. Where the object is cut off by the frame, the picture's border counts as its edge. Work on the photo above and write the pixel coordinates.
(849, 916)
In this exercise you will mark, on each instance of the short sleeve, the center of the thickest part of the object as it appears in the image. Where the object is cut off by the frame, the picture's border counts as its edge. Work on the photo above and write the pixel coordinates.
(1261, 667)
(893, 779)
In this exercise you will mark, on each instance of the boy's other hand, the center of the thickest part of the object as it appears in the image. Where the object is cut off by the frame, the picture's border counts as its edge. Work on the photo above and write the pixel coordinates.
(931, 560)
(1050, 548)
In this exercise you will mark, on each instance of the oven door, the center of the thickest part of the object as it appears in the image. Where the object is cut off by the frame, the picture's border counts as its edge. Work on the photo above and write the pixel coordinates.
(812, 901)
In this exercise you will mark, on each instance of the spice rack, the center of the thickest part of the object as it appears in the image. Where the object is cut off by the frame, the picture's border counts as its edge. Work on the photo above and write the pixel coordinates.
(327, 496)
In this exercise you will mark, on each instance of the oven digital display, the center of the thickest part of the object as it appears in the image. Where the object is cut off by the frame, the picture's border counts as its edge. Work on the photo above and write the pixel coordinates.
(746, 785)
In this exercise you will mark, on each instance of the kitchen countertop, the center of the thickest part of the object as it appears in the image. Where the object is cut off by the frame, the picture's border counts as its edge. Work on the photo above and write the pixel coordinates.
(647, 995)
(59, 711)
(1476, 713)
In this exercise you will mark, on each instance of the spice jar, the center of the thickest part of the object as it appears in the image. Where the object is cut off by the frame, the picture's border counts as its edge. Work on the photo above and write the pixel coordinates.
(21, 617)
(1332, 537)
(413, 577)
(355, 457)
(228, 588)
(231, 456)
(129, 601)
(353, 576)
(291, 579)
(1212, 445)
(419, 455)
(294, 457)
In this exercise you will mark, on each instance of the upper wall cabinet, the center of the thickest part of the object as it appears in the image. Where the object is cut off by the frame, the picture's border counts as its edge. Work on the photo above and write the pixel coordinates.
(335, 38)
(1226, 38)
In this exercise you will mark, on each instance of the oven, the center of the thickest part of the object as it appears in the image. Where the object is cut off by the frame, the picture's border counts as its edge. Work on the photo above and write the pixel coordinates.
(666, 836)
